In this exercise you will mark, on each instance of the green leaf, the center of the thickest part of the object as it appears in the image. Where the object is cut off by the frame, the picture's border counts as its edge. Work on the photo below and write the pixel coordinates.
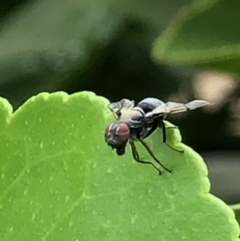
(203, 34)
(60, 181)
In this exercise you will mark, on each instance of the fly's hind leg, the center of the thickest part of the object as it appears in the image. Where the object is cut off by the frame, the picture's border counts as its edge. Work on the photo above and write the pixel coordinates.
(137, 158)
(153, 156)
(165, 137)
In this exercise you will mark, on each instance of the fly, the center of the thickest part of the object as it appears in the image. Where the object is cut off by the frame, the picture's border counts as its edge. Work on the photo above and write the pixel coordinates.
(137, 122)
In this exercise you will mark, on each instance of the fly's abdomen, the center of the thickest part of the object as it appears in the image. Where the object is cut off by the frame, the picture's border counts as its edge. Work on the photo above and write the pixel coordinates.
(149, 104)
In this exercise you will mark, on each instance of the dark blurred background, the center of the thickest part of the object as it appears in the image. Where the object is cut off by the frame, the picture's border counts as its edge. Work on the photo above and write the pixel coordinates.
(105, 46)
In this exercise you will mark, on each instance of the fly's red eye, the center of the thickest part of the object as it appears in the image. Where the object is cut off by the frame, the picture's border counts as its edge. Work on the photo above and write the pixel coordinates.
(117, 135)
(123, 132)
(122, 129)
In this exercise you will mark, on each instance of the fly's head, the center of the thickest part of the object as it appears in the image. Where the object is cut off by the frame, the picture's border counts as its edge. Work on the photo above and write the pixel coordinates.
(117, 135)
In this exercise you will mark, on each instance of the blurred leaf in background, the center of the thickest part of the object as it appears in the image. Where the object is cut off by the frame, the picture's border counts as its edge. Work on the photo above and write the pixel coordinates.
(51, 45)
(204, 34)
(44, 41)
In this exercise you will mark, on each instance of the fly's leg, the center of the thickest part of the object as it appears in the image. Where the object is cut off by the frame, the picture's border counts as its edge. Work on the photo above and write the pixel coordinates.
(137, 158)
(165, 137)
(153, 156)
(153, 128)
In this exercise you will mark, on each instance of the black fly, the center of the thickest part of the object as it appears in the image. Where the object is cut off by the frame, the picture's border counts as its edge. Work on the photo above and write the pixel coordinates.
(135, 123)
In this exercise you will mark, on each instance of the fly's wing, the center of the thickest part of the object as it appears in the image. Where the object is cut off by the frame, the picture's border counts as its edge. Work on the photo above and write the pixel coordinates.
(174, 107)
(180, 107)
(160, 110)
(197, 104)
(116, 107)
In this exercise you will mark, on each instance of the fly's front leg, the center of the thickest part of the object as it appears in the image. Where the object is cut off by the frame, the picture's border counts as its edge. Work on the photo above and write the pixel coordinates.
(165, 137)
(137, 158)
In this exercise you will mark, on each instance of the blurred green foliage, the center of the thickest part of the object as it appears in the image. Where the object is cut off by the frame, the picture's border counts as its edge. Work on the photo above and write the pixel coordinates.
(203, 34)
(50, 45)
(46, 41)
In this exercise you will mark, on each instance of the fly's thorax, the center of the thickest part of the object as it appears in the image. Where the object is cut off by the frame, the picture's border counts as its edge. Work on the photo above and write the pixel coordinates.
(139, 133)
(134, 114)
(134, 119)
(138, 130)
